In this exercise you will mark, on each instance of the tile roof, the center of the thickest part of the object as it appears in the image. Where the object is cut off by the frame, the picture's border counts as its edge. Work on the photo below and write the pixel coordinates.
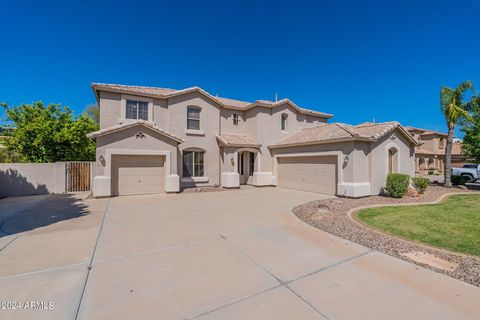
(135, 89)
(237, 140)
(420, 150)
(424, 131)
(226, 102)
(129, 124)
(233, 102)
(340, 132)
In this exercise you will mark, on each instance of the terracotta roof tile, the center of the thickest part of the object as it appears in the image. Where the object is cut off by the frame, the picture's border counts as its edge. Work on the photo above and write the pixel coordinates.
(229, 139)
(135, 89)
(338, 132)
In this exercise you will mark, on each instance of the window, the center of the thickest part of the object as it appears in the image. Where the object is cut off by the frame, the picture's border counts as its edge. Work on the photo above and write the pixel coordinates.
(284, 122)
(251, 164)
(392, 160)
(137, 110)
(442, 143)
(193, 118)
(193, 162)
(235, 119)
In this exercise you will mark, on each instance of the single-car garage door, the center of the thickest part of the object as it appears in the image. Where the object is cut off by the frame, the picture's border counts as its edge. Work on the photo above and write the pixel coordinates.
(137, 174)
(314, 174)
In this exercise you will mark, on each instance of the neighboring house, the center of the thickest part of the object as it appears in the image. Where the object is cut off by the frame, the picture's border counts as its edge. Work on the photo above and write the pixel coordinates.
(154, 140)
(458, 157)
(430, 156)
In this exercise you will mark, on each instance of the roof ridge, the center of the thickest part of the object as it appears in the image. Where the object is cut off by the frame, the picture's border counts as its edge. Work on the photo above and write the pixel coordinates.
(341, 126)
(135, 86)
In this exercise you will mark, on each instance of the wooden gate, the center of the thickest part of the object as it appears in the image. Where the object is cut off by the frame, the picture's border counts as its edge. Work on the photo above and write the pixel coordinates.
(78, 176)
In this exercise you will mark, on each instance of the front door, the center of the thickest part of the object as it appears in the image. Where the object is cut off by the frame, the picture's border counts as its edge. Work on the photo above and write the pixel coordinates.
(242, 170)
(246, 167)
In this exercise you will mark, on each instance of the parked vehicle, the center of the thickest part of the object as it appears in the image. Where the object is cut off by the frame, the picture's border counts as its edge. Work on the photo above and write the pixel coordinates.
(470, 171)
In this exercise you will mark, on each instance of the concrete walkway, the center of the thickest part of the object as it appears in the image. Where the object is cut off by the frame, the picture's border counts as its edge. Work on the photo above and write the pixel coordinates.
(221, 255)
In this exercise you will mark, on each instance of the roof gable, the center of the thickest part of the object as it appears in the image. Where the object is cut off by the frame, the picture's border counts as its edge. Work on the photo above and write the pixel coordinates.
(339, 132)
(147, 124)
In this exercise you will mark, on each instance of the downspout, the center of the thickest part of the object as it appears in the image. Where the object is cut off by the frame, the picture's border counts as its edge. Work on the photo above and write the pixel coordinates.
(219, 148)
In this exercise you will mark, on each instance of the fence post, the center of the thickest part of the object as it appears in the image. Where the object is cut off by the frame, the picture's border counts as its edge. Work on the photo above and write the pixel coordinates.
(60, 177)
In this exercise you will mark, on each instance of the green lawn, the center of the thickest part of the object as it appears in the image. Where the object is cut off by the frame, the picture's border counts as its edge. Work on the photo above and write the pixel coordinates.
(453, 224)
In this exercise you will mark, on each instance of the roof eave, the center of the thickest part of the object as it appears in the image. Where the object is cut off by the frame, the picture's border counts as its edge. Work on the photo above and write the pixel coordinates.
(310, 143)
(94, 135)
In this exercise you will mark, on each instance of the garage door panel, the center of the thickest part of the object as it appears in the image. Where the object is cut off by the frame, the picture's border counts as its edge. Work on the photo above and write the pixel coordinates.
(314, 174)
(138, 174)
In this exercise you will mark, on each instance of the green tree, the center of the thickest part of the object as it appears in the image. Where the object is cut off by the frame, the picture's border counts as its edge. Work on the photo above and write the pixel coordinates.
(39, 133)
(93, 111)
(471, 140)
(454, 107)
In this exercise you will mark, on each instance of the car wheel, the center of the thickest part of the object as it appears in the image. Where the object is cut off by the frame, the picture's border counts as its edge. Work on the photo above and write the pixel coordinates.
(469, 178)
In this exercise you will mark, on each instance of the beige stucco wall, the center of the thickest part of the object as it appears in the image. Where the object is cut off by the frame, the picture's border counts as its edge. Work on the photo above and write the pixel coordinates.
(262, 124)
(126, 139)
(209, 128)
(406, 158)
(109, 109)
(24, 179)
(363, 162)
(227, 125)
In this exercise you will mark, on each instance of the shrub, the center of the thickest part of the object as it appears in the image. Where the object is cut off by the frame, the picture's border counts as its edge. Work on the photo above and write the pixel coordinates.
(397, 184)
(456, 180)
(421, 184)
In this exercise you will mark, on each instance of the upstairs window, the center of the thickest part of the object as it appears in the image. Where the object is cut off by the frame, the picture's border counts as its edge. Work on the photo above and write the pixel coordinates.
(284, 122)
(235, 119)
(442, 143)
(193, 118)
(137, 110)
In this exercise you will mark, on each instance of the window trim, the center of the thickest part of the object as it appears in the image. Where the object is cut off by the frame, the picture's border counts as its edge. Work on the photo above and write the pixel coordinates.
(194, 152)
(199, 118)
(137, 102)
(284, 122)
(393, 160)
(123, 107)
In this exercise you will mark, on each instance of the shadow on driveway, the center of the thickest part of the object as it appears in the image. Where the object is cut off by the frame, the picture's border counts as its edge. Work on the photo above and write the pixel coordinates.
(18, 216)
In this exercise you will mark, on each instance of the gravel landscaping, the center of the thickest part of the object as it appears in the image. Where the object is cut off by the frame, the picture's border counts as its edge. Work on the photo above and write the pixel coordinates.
(332, 216)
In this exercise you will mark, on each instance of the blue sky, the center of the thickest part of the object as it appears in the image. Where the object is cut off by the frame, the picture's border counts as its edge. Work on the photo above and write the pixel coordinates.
(360, 60)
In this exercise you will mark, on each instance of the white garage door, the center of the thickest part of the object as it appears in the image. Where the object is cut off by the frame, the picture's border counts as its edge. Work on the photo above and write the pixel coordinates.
(138, 174)
(314, 174)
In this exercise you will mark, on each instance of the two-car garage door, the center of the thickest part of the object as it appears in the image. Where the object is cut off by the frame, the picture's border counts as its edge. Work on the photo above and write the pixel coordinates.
(137, 174)
(309, 173)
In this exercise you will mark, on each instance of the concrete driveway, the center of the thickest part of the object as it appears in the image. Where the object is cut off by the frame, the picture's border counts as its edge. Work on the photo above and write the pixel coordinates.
(221, 255)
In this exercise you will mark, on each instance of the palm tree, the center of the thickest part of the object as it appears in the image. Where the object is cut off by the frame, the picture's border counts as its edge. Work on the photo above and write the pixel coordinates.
(453, 106)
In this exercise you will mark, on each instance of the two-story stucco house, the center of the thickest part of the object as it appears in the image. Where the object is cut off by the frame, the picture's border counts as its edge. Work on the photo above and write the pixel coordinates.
(430, 156)
(154, 140)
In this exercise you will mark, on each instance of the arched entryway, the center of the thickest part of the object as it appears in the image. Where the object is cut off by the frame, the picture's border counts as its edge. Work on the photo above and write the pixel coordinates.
(247, 162)
(392, 160)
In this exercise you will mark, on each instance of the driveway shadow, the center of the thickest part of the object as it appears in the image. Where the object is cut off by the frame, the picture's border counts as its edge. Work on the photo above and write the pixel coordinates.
(12, 183)
(50, 210)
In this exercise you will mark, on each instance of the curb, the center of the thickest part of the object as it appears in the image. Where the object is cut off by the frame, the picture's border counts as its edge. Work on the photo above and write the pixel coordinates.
(352, 213)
